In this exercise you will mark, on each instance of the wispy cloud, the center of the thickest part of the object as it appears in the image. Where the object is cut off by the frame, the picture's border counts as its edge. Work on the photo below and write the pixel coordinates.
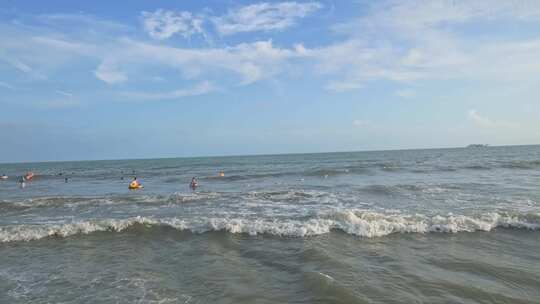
(264, 17)
(251, 61)
(81, 22)
(122, 59)
(409, 41)
(163, 24)
(64, 93)
(108, 72)
(485, 122)
(393, 41)
(199, 89)
(6, 85)
(64, 45)
(66, 101)
(37, 50)
(21, 66)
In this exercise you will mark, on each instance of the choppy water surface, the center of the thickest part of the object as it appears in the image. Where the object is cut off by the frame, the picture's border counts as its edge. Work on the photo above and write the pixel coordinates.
(418, 226)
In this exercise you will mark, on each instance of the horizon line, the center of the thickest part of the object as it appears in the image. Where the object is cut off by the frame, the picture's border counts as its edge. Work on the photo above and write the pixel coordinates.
(255, 154)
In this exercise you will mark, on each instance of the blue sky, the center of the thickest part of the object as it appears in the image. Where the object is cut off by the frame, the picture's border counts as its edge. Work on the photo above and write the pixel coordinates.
(142, 79)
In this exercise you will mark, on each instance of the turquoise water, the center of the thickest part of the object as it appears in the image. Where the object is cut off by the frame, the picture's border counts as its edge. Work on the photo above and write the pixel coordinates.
(415, 226)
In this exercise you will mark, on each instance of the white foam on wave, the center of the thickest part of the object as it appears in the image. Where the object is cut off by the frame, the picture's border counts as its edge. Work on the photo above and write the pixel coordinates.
(374, 224)
(179, 197)
(38, 231)
(321, 197)
(355, 222)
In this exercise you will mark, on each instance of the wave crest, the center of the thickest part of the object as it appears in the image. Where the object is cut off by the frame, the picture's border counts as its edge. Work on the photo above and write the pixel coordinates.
(355, 222)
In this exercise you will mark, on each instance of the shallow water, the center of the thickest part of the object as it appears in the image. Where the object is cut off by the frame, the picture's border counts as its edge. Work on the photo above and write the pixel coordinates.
(417, 226)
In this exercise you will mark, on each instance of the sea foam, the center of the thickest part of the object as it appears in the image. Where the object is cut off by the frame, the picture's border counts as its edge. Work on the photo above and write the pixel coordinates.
(355, 222)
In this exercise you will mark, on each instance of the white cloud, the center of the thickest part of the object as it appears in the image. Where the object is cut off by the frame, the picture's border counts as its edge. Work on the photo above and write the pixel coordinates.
(263, 17)
(21, 66)
(251, 61)
(199, 89)
(354, 63)
(485, 122)
(479, 120)
(109, 73)
(393, 41)
(430, 13)
(409, 41)
(163, 24)
(46, 51)
(37, 51)
(404, 18)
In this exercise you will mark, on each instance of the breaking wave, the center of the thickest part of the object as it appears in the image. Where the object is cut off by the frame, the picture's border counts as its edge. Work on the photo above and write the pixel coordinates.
(354, 222)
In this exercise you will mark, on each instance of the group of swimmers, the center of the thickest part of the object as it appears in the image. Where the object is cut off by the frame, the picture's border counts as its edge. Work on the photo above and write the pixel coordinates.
(22, 179)
(135, 184)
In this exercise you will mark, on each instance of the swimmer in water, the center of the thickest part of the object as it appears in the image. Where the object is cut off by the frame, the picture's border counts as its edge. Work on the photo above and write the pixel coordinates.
(194, 183)
(22, 182)
(221, 173)
(135, 184)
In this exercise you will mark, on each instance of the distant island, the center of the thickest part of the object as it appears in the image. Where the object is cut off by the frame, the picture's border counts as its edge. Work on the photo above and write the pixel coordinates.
(477, 146)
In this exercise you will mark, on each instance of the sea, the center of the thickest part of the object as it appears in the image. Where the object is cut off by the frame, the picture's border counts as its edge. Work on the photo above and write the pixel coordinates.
(411, 226)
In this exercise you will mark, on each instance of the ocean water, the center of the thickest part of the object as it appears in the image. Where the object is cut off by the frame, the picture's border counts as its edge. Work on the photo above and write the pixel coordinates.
(415, 226)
